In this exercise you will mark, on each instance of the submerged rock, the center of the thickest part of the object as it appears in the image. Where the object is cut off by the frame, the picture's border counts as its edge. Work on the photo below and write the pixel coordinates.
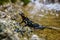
(35, 37)
(3, 14)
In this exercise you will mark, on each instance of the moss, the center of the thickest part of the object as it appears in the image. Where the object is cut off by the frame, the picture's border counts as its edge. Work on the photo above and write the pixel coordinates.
(3, 1)
(13, 1)
(6, 1)
(25, 2)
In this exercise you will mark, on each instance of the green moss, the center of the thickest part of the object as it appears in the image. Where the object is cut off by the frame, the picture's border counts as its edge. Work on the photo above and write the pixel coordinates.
(13, 1)
(6, 1)
(25, 2)
(3, 1)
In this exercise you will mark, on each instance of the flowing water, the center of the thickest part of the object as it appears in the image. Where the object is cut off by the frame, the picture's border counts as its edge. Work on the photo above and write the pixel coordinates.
(38, 5)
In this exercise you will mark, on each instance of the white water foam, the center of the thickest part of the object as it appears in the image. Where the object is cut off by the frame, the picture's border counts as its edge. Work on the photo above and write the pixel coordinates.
(38, 5)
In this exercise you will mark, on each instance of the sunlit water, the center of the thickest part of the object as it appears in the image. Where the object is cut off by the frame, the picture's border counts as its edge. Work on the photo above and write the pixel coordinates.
(39, 5)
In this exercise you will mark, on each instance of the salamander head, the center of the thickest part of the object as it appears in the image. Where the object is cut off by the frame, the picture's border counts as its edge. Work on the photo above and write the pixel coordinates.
(21, 14)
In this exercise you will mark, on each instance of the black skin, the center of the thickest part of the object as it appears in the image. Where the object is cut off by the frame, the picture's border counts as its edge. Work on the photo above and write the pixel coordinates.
(30, 23)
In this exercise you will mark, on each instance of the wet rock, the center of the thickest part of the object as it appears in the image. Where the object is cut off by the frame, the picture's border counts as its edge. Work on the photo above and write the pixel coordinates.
(28, 31)
(2, 27)
(3, 36)
(57, 15)
(35, 37)
(14, 17)
(25, 38)
(3, 14)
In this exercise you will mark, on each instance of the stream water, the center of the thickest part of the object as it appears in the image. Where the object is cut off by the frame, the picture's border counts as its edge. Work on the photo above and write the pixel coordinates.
(39, 5)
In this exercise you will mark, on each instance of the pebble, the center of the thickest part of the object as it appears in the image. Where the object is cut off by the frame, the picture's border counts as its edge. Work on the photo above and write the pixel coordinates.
(35, 37)
(3, 14)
